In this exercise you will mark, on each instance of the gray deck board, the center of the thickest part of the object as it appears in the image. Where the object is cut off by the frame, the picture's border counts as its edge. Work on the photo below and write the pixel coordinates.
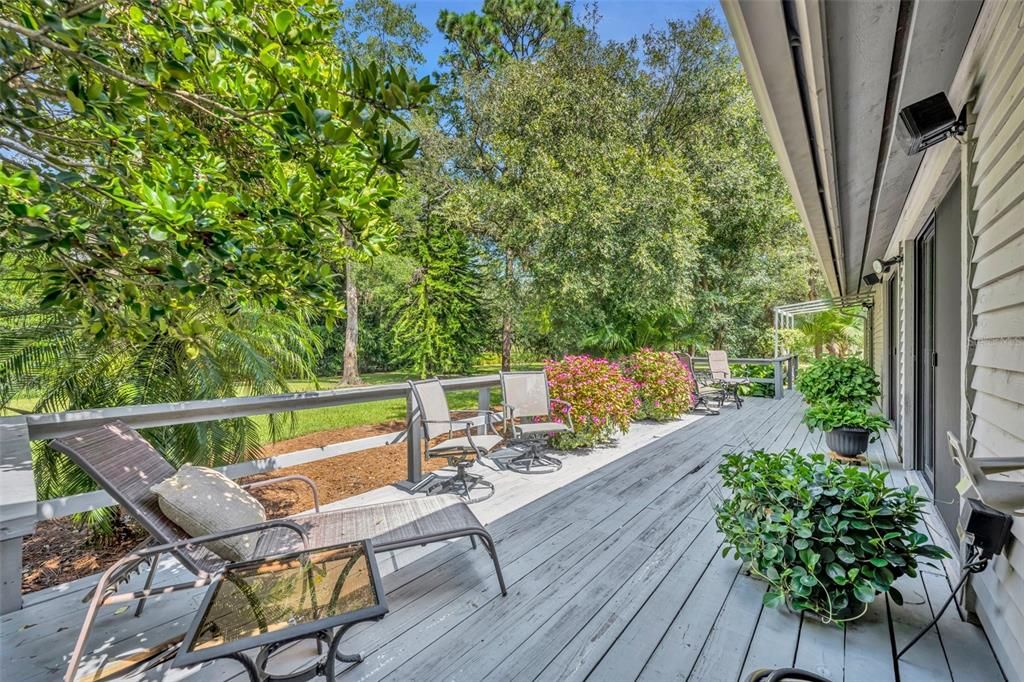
(615, 574)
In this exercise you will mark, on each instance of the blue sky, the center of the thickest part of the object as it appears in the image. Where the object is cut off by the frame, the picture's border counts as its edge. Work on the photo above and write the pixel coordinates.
(620, 19)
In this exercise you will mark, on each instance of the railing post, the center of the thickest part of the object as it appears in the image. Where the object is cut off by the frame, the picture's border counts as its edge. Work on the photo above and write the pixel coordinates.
(777, 362)
(413, 444)
(791, 366)
(17, 507)
(483, 403)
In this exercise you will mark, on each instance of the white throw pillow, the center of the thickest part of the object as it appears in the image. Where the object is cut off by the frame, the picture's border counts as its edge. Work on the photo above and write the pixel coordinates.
(202, 501)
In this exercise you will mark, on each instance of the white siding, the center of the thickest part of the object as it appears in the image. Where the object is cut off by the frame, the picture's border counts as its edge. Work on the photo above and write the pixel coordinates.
(997, 365)
(878, 330)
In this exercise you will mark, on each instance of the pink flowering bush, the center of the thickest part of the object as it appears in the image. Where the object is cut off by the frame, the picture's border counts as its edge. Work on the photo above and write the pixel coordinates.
(603, 400)
(664, 384)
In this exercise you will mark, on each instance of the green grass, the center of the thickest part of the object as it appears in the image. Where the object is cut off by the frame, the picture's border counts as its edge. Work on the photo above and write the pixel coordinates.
(314, 420)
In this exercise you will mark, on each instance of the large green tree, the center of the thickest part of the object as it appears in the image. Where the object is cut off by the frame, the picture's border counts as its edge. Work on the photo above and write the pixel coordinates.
(174, 178)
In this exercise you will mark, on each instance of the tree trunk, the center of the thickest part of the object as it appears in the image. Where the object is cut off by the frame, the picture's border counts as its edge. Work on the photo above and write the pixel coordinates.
(506, 319)
(350, 369)
(817, 350)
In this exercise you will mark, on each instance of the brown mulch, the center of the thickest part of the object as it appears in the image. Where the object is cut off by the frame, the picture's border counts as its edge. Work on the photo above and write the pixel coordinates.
(60, 552)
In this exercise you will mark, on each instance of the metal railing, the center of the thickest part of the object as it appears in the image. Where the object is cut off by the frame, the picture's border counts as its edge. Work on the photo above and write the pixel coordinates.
(784, 375)
(20, 509)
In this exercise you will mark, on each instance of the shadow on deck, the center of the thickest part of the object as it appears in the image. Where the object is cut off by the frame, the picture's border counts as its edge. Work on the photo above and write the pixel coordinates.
(616, 575)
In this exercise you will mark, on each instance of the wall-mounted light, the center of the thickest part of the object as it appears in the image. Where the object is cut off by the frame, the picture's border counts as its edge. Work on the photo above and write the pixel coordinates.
(929, 122)
(880, 267)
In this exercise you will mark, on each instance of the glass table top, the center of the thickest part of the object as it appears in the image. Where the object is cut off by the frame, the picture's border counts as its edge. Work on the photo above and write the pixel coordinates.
(254, 603)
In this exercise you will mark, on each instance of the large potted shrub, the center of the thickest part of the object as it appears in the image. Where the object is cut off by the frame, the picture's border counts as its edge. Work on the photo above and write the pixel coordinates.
(603, 400)
(845, 380)
(839, 392)
(848, 427)
(825, 537)
(664, 385)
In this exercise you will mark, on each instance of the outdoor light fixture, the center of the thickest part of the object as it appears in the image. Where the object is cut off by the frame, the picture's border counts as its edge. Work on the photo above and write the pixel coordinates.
(930, 121)
(880, 267)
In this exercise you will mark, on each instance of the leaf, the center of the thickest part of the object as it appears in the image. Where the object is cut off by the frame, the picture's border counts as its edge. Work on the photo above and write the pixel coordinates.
(283, 19)
(77, 105)
(772, 599)
(864, 592)
(896, 596)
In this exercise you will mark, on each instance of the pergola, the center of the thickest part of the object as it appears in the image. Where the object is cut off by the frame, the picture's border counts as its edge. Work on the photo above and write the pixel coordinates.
(785, 315)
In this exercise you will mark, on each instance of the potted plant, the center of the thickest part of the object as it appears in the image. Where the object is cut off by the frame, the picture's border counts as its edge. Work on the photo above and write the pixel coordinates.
(845, 380)
(848, 427)
(826, 538)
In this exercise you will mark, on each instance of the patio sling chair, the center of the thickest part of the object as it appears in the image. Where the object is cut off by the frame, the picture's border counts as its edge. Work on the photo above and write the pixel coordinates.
(1005, 495)
(718, 361)
(435, 418)
(525, 397)
(705, 389)
(126, 466)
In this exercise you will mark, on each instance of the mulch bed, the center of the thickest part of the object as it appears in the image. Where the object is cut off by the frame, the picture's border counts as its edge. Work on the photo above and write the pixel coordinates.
(60, 552)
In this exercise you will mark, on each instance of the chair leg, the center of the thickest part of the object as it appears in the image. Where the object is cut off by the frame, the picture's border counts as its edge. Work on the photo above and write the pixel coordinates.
(472, 540)
(149, 583)
(489, 544)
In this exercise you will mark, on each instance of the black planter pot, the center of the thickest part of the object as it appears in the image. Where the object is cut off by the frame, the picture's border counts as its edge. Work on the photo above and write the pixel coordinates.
(848, 441)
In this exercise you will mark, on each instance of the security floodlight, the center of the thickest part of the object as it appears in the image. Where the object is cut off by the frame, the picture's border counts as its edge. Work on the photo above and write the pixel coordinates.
(930, 121)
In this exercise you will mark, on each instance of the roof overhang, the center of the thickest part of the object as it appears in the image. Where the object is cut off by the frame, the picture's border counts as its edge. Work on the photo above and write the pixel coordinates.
(830, 79)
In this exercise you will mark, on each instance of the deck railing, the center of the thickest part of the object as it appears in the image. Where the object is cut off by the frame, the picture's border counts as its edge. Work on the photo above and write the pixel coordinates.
(20, 509)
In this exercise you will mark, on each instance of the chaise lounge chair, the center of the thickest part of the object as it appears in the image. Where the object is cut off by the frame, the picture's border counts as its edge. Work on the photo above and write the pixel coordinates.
(525, 396)
(436, 420)
(718, 361)
(124, 464)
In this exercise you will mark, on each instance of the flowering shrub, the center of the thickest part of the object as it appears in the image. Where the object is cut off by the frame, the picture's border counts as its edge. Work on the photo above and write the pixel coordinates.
(664, 384)
(603, 400)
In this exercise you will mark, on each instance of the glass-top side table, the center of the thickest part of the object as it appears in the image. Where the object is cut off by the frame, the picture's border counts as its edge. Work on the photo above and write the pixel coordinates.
(269, 602)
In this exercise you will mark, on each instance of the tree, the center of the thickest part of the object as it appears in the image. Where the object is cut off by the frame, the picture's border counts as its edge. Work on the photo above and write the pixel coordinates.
(373, 31)
(172, 181)
(158, 158)
(382, 31)
(755, 255)
(506, 31)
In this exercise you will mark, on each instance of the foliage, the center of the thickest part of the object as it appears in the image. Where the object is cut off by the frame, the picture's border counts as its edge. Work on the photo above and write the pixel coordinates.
(249, 353)
(837, 330)
(159, 159)
(504, 30)
(381, 31)
(438, 325)
(603, 400)
(829, 415)
(845, 380)
(826, 537)
(663, 384)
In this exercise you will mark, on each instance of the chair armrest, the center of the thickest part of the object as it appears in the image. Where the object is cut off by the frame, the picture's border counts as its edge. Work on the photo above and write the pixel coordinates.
(285, 479)
(204, 539)
(568, 411)
(999, 465)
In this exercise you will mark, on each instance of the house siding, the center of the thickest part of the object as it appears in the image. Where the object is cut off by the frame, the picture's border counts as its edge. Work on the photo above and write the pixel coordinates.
(995, 368)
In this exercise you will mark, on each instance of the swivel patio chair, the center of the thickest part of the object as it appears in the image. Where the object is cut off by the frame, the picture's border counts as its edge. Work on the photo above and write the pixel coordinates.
(718, 361)
(435, 418)
(126, 466)
(525, 397)
(705, 389)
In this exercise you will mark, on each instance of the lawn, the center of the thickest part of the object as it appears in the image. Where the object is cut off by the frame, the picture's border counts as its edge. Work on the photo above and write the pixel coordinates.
(326, 418)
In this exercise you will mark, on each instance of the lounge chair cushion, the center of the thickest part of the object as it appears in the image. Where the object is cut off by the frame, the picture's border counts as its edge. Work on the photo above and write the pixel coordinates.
(531, 429)
(485, 442)
(203, 501)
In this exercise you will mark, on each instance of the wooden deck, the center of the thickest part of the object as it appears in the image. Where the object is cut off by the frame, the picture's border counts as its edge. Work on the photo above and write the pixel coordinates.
(614, 571)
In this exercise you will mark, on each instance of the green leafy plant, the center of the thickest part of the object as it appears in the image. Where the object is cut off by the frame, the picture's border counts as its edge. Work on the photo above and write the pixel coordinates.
(846, 380)
(603, 400)
(664, 385)
(827, 538)
(830, 415)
